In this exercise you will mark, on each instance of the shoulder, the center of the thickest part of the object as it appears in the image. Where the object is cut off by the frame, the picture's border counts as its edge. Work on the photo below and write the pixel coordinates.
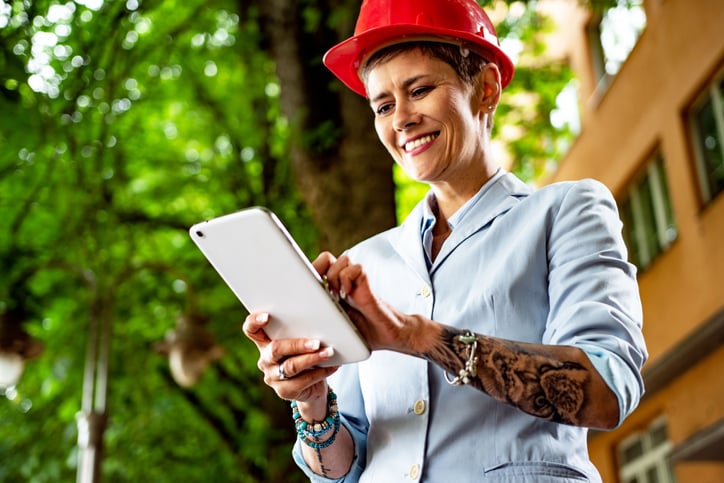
(572, 198)
(376, 244)
(554, 194)
(587, 188)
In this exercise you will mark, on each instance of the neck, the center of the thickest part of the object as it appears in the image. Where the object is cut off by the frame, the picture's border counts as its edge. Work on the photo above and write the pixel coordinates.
(451, 196)
(440, 232)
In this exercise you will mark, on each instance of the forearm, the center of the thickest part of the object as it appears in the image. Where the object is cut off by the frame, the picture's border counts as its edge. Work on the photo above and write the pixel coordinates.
(333, 461)
(556, 383)
(331, 454)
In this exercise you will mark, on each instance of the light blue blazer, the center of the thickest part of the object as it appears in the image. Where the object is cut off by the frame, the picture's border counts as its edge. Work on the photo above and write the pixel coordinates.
(546, 266)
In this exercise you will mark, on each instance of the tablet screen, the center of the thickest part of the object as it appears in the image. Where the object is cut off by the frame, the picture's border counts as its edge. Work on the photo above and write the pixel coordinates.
(264, 267)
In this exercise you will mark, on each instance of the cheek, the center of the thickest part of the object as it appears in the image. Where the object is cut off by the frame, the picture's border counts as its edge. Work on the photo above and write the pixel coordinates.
(454, 125)
(384, 134)
(379, 128)
(463, 123)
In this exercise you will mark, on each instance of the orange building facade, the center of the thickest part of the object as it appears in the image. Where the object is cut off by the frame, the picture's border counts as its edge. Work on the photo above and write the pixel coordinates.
(653, 132)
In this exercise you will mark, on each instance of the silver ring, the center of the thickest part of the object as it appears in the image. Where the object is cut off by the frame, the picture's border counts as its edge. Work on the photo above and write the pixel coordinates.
(282, 375)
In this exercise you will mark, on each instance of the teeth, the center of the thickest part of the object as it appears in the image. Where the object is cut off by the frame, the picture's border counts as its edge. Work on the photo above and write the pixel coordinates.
(419, 142)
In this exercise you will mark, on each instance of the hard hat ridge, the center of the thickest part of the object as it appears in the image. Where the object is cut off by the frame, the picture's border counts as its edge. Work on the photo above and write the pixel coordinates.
(386, 22)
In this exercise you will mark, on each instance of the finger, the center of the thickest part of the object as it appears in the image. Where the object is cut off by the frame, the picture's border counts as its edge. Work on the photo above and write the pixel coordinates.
(323, 261)
(302, 387)
(334, 271)
(296, 373)
(350, 277)
(293, 366)
(281, 349)
(254, 325)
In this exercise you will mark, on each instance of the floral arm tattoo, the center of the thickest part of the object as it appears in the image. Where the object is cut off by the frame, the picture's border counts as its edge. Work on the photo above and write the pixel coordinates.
(515, 373)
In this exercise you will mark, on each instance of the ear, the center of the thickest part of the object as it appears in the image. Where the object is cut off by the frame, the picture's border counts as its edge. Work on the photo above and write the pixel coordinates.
(491, 88)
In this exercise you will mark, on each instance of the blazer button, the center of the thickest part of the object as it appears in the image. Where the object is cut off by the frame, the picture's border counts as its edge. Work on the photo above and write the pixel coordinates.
(420, 407)
(425, 291)
(414, 472)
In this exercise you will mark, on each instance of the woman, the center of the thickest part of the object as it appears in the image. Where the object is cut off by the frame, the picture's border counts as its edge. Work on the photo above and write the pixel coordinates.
(503, 321)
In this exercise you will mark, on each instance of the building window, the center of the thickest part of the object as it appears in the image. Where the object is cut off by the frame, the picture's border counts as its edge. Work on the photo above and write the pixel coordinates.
(707, 121)
(613, 35)
(648, 218)
(644, 456)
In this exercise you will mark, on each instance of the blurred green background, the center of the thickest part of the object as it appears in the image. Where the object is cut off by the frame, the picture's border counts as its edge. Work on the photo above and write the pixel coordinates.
(122, 123)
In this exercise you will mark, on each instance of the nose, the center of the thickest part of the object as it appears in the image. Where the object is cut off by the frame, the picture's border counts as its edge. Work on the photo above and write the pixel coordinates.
(405, 116)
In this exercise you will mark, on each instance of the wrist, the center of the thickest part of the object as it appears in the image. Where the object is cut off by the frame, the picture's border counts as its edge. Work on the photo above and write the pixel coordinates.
(313, 409)
(421, 335)
(318, 433)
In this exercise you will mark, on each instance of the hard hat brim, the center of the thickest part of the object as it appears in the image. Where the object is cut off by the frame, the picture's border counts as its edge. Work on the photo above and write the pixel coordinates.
(346, 58)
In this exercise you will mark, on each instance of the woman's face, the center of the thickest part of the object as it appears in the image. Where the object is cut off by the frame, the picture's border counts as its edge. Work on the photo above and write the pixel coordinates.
(429, 120)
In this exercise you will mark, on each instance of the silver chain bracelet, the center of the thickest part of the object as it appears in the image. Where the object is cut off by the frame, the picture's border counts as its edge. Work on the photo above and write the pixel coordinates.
(470, 370)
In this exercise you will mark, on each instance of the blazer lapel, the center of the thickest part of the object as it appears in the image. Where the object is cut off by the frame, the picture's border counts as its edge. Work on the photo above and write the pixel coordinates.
(501, 197)
(407, 242)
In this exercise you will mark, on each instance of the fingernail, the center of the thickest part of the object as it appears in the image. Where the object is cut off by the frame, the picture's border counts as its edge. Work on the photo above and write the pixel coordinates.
(262, 318)
(342, 294)
(327, 353)
(312, 344)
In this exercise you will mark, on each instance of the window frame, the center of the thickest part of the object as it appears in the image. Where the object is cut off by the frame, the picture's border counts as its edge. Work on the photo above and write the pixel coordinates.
(652, 183)
(597, 49)
(712, 92)
(655, 456)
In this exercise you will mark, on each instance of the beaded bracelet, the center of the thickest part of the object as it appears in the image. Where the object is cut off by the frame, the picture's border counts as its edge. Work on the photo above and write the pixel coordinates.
(470, 369)
(310, 433)
(315, 444)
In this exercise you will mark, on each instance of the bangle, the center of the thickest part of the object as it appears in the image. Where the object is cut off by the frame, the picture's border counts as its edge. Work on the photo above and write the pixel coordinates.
(310, 433)
(470, 369)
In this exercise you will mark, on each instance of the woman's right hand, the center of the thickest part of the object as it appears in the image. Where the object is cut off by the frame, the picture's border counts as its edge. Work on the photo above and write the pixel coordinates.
(382, 326)
(291, 367)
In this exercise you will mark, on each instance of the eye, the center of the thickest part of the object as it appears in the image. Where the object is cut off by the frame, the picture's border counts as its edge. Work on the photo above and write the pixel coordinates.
(421, 91)
(383, 109)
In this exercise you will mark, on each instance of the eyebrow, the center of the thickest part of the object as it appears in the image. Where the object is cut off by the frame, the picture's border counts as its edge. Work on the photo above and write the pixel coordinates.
(407, 83)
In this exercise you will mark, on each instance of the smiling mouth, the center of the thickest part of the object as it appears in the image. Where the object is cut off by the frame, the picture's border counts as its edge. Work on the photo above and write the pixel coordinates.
(409, 146)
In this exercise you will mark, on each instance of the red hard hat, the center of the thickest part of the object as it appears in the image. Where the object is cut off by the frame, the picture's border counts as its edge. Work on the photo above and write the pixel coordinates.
(386, 22)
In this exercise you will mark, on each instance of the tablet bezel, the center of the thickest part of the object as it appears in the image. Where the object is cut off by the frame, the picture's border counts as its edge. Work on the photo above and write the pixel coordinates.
(264, 267)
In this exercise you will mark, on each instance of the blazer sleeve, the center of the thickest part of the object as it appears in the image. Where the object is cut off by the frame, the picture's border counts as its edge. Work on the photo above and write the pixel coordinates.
(593, 291)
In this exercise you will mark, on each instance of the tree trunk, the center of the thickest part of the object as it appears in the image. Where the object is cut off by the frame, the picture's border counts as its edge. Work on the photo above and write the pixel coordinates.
(341, 168)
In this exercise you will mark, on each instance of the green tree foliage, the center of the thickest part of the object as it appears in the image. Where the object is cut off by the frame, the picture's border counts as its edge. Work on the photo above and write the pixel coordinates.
(121, 124)
(131, 123)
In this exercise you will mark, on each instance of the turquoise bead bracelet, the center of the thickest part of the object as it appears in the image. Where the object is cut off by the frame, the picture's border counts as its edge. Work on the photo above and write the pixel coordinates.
(309, 433)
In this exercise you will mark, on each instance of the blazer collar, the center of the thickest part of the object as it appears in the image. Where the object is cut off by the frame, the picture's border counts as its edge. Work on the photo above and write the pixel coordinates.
(501, 197)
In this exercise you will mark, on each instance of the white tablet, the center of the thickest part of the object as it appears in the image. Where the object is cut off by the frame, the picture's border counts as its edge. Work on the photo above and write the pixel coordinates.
(267, 271)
